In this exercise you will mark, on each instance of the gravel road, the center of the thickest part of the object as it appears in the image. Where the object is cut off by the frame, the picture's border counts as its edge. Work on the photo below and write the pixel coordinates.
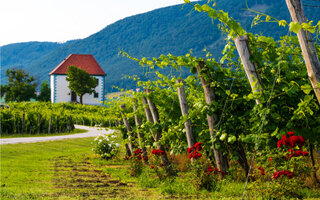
(92, 132)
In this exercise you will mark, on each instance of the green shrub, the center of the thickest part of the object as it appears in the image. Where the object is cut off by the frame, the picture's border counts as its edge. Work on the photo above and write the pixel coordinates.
(105, 146)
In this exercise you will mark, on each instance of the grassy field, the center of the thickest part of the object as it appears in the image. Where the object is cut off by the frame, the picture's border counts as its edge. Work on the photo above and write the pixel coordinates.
(68, 169)
(65, 169)
(75, 131)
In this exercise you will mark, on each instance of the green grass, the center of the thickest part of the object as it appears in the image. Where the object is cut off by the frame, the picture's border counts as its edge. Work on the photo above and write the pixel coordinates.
(68, 169)
(75, 131)
(27, 169)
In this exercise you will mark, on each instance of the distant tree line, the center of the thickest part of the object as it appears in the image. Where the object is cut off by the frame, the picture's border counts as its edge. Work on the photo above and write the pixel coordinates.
(22, 87)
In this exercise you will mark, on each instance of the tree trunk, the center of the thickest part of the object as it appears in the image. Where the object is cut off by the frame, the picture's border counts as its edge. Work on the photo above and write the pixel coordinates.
(184, 110)
(306, 43)
(250, 68)
(140, 135)
(220, 159)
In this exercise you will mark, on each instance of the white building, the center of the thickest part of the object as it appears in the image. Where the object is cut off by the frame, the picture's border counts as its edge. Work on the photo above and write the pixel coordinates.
(60, 91)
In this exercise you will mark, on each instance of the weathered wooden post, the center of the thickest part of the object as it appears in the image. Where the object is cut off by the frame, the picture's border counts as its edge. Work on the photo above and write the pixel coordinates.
(129, 130)
(23, 122)
(155, 116)
(39, 123)
(184, 110)
(140, 135)
(306, 43)
(204, 76)
(250, 68)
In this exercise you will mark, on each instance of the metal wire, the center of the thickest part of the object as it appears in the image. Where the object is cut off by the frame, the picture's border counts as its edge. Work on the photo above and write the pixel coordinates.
(264, 118)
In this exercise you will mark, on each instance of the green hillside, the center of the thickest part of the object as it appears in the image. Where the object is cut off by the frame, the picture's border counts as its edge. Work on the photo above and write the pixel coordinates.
(175, 29)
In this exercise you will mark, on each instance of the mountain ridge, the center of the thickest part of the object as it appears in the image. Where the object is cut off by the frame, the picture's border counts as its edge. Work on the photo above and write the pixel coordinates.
(174, 29)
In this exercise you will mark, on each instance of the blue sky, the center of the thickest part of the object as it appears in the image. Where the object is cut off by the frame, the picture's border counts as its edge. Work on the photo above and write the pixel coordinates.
(62, 20)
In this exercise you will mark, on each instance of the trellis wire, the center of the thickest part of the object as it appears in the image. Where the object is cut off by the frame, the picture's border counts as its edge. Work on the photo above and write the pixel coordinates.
(264, 118)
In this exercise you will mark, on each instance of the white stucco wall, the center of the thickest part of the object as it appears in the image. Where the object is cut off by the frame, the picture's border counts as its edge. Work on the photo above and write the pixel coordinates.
(61, 93)
(52, 87)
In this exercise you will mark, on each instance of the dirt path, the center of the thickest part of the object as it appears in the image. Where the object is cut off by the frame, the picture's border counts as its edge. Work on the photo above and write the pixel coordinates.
(76, 179)
(92, 132)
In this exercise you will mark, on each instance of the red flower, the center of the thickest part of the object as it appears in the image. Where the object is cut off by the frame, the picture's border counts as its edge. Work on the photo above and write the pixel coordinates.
(190, 150)
(151, 166)
(198, 146)
(261, 171)
(292, 141)
(287, 173)
(196, 155)
(193, 151)
(138, 151)
(305, 153)
(209, 169)
(290, 133)
(158, 152)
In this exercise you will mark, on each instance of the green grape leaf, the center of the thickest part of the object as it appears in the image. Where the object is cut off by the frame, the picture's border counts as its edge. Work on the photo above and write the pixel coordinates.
(295, 27)
(306, 88)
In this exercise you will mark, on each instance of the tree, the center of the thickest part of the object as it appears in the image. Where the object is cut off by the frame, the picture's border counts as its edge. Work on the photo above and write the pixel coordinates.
(80, 81)
(20, 86)
(45, 92)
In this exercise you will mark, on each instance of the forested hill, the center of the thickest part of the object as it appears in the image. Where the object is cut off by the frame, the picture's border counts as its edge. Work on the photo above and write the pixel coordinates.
(174, 29)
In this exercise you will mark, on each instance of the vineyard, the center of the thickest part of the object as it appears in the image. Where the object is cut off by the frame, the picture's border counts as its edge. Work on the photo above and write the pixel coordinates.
(252, 116)
(254, 109)
(40, 117)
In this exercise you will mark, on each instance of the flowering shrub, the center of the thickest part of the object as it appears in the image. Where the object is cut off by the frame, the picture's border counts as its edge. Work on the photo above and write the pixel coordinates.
(136, 165)
(203, 174)
(105, 146)
(162, 171)
(283, 170)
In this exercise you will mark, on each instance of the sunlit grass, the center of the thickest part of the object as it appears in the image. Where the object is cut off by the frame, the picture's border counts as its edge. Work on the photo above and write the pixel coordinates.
(27, 169)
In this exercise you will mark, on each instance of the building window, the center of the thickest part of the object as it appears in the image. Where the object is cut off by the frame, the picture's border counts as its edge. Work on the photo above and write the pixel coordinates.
(96, 95)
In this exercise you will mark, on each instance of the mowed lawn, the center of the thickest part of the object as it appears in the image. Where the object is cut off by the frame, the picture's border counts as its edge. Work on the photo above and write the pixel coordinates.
(27, 170)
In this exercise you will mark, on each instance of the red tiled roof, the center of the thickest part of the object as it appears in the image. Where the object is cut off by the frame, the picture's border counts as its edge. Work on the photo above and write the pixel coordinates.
(82, 61)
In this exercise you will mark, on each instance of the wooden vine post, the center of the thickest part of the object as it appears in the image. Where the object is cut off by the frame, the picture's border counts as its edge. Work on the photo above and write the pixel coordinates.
(129, 146)
(306, 43)
(204, 75)
(140, 135)
(154, 115)
(50, 124)
(23, 122)
(250, 68)
(185, 110)
(243, 48)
